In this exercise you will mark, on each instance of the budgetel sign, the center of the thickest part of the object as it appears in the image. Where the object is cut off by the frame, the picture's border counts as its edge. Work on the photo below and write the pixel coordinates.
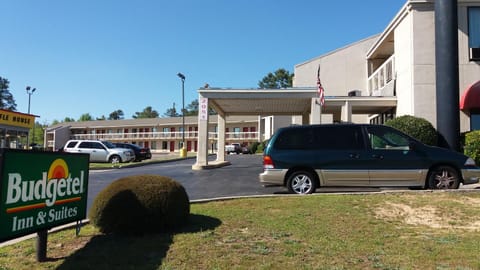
(41, 190)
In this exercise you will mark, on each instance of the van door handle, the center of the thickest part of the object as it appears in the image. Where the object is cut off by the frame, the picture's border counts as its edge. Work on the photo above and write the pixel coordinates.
(377, 156)
(354, 155)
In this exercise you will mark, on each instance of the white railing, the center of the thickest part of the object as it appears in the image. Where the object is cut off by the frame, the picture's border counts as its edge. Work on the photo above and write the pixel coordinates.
(381, 78)
(252, 136)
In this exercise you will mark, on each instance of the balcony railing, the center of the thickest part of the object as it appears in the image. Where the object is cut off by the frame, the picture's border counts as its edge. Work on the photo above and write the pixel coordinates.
(175, 135)
(379, 83)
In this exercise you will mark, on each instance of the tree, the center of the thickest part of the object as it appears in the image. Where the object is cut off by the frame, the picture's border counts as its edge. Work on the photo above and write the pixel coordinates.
(85, 117)
(36, 133)
(192, 108)
(171, 112)
(148, 112)
(116, 115)
(281, 78)
(101, 117)
(68, 119)
(7, 101)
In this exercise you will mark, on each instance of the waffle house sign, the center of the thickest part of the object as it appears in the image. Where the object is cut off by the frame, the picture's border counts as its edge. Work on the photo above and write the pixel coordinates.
(41, 190)
(16, 119)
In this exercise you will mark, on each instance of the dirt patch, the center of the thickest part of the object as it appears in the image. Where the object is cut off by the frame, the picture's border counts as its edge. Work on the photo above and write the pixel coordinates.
(429, 216)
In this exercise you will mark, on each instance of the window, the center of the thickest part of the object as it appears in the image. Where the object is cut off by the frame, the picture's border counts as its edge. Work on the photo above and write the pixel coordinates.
(300, 138)
(71, 144)
(236, 131)
(475, 119)
(386, 139)
(338, 138)
(474, 32)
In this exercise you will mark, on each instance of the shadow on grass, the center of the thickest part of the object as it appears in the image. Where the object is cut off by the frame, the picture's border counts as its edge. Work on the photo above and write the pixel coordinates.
(132, 252)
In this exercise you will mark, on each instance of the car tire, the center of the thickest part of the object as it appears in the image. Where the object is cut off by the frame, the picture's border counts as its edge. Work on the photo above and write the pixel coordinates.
(443, 177)
(115, 159)
(301, 182)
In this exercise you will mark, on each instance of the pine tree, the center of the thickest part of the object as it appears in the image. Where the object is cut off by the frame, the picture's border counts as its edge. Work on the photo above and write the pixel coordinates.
(7, 101)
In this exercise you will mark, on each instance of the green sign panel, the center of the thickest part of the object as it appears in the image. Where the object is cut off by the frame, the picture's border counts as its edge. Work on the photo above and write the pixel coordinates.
(41, 190)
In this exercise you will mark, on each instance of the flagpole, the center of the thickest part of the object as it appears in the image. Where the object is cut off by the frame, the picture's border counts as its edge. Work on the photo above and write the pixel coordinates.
(321, 93)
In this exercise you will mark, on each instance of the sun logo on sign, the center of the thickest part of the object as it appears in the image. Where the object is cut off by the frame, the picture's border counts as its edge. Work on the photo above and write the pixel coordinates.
(58, 169)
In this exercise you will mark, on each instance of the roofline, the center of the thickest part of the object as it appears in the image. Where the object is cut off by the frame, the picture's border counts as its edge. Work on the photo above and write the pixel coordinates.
(404, 10)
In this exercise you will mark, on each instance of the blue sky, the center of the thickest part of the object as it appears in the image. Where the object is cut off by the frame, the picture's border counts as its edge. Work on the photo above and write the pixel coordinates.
(92, 56)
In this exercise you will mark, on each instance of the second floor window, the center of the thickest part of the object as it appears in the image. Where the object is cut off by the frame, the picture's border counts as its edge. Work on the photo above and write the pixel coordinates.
(474, 32)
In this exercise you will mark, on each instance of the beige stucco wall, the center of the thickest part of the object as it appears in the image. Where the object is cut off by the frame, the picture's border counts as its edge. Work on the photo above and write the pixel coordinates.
(403, 66)
(341, 71)
(424, 90)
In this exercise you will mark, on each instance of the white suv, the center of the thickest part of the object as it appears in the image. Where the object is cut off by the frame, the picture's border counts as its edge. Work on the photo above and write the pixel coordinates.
(100, 151)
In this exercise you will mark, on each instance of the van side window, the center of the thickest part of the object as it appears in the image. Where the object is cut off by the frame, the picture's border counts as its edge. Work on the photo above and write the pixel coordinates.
(298, 138)
(338, 138)
(387, 139)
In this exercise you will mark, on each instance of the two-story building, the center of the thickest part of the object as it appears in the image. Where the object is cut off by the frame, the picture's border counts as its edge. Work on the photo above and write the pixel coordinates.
(158, 134)
(371, 80)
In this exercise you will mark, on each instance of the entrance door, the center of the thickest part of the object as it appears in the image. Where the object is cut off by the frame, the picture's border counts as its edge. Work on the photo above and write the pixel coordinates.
(189, 146)
(172, 146)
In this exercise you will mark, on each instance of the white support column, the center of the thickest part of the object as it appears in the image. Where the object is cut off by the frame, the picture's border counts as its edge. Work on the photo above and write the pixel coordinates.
(202, 154)
(221, 138)
(315, 113)
(347, 112)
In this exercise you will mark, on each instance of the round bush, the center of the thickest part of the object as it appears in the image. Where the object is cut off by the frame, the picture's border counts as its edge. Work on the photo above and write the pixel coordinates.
(140, 204)
(416, 127)
(472, 145)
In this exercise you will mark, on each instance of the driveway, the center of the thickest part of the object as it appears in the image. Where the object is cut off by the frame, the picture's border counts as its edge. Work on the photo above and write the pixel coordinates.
(238, 179)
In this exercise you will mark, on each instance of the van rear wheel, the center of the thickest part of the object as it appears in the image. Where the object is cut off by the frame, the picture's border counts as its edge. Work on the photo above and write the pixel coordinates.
(301, 182)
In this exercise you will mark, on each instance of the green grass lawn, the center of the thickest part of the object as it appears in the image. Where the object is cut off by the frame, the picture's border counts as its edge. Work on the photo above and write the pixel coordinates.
(412, 230)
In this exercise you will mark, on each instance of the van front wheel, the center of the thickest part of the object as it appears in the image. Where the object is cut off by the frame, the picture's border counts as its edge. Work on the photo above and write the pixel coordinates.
(301, 182)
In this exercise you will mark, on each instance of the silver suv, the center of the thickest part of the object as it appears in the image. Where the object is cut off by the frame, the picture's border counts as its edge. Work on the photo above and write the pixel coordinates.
(100, 151)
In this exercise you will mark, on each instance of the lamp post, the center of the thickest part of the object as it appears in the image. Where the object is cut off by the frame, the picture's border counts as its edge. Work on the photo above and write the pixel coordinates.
(183, 152)
(30, 93)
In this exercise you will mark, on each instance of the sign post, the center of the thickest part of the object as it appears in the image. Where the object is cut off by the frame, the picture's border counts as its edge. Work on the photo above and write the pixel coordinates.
(39, 191)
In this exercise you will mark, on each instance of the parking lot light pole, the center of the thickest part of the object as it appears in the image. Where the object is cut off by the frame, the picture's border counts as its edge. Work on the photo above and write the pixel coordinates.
(183, 152)
(30, 93)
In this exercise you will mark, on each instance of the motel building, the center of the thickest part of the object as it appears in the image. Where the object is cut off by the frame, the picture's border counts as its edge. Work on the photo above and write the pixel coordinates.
(369, 81)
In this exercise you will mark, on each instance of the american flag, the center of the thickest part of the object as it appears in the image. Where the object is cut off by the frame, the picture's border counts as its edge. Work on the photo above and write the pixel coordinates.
(320, 90)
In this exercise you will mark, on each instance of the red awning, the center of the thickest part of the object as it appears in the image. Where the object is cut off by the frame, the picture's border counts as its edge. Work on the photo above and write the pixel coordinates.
(471, 97)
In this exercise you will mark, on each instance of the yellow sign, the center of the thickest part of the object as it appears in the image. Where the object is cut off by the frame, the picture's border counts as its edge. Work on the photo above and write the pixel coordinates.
(16, 119)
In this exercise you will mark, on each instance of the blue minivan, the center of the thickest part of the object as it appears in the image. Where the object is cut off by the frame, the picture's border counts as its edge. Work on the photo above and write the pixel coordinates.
(303, 158)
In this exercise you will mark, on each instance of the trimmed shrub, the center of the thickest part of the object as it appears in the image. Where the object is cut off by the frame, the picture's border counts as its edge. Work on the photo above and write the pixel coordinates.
(472, 145)
(261, 146)
(140, 204)
(416, 127)
(254, 147)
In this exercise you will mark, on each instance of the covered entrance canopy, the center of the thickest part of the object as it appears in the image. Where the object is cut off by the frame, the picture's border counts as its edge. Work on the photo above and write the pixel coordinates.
(471, 97)
(264, 102)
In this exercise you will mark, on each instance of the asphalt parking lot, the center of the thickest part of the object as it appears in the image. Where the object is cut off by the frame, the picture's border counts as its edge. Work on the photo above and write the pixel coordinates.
(238, 179)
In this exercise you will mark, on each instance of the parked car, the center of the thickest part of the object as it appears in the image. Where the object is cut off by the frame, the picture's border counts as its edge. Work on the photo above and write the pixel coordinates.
(304, 158)
(233, 148)
(141, 153)
(100, 151)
